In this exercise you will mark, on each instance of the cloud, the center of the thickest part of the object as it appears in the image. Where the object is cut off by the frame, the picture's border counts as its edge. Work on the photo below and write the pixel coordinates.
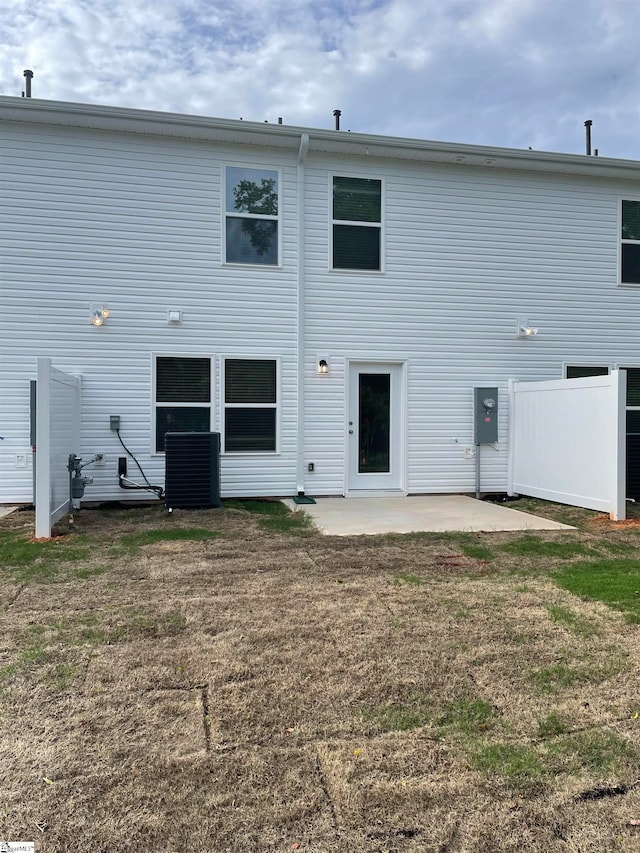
(498, 72)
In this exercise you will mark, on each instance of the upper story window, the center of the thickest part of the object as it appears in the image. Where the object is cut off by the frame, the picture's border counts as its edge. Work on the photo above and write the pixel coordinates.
(251, 216)
(182, 399)
(357, 223)
(630, 254)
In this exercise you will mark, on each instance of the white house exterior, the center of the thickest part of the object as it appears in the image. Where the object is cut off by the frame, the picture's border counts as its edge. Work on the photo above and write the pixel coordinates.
(407, 266)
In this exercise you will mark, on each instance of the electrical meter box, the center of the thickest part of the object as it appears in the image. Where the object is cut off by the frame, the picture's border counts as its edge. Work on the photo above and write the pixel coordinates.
(485, 415)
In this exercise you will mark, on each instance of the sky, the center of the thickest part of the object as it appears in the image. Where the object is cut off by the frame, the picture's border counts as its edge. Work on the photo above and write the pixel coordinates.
(511, 73)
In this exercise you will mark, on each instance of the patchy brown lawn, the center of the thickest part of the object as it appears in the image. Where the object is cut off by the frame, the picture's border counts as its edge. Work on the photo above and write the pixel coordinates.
(273, 689)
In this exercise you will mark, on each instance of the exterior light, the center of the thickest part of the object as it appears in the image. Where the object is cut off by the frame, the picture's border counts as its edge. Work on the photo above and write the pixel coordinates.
(99, 314)
(322, 367)
(525, 329)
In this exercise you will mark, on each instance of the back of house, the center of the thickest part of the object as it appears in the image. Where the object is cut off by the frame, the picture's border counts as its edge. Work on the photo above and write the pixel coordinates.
(326, 302)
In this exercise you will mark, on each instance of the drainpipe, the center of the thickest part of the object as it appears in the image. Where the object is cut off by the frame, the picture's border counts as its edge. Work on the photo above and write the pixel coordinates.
(300, 343)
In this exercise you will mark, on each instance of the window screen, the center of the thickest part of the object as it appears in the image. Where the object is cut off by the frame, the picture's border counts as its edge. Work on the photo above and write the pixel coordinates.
(357, 223)
(250, 396)
(182, 396)
(579, 372)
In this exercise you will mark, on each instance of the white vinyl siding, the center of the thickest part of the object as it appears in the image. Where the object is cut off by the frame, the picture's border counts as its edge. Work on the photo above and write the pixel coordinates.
(133, 222)
(136, 222)
(469, 251)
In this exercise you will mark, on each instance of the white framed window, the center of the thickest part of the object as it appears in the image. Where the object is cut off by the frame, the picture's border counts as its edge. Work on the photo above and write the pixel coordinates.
(251, 405)
(252, 216)
(182, 395)
(356, 223)
(580, 371)
(630, 242)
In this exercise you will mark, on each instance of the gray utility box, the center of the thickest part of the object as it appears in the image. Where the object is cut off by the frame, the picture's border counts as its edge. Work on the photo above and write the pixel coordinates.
(485, 415)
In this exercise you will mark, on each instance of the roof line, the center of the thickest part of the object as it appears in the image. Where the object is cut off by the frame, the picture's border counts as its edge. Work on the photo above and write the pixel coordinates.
(131, 120)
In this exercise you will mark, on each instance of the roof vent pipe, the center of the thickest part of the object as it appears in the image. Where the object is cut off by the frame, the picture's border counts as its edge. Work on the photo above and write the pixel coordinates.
(587, 125)
(336, 115)
(27, 75)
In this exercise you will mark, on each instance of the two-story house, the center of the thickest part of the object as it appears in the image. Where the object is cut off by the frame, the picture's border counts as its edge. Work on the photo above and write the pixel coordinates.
(325, 300)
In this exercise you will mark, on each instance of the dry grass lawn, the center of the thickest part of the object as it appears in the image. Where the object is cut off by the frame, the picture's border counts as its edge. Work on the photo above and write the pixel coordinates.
(271, 689)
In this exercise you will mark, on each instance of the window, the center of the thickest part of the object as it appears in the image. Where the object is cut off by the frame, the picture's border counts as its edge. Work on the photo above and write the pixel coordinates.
(251, 214)
(579, 372)
(182, 396)
(250, 405)
(633, 432)
(630, 251)
(633, 387)
(357, 223)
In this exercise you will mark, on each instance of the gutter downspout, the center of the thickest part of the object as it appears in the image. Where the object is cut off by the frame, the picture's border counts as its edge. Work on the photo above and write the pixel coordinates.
(302, 156)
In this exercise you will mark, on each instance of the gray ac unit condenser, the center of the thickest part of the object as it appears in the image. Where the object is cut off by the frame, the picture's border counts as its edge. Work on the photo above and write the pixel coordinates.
(192, 470)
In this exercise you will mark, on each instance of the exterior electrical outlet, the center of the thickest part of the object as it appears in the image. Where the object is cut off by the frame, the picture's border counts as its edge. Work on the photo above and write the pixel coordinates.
(114, 422)
(485, 415)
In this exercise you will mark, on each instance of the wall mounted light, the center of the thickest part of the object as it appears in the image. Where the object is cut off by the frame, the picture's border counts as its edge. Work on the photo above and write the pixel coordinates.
(174, 316)
(322, 366)
(526, 330)
(99, 314)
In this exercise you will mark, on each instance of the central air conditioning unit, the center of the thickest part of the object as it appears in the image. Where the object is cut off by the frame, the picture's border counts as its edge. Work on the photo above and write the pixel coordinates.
(192, 470)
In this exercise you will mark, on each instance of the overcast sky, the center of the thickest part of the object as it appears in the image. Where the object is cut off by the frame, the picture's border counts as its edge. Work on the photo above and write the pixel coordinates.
(513, 73)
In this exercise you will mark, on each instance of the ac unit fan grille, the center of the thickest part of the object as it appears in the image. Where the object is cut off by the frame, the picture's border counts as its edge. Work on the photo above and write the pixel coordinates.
(192, 470)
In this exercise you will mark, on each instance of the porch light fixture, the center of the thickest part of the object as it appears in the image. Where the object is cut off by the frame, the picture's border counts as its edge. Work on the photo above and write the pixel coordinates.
(322, 367)
(525, 329)
(99, 314)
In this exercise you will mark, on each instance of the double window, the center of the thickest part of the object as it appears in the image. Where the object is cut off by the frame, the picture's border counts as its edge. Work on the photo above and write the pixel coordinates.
(630, 249)
(184, 401)
(356, 223)
(251, 216)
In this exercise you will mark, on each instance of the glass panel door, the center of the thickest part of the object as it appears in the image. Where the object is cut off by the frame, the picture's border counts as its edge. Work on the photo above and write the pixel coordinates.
(374, 408)
(375, 430)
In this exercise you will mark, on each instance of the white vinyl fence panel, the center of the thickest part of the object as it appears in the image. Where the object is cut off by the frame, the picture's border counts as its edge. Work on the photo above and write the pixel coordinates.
(567, 441)
(57, 436)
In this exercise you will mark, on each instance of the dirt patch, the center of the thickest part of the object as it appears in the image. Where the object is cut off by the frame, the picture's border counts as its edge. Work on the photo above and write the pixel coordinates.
(256, 691)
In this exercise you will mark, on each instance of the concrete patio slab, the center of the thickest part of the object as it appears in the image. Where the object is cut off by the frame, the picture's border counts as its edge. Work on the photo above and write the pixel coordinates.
(433, 513)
